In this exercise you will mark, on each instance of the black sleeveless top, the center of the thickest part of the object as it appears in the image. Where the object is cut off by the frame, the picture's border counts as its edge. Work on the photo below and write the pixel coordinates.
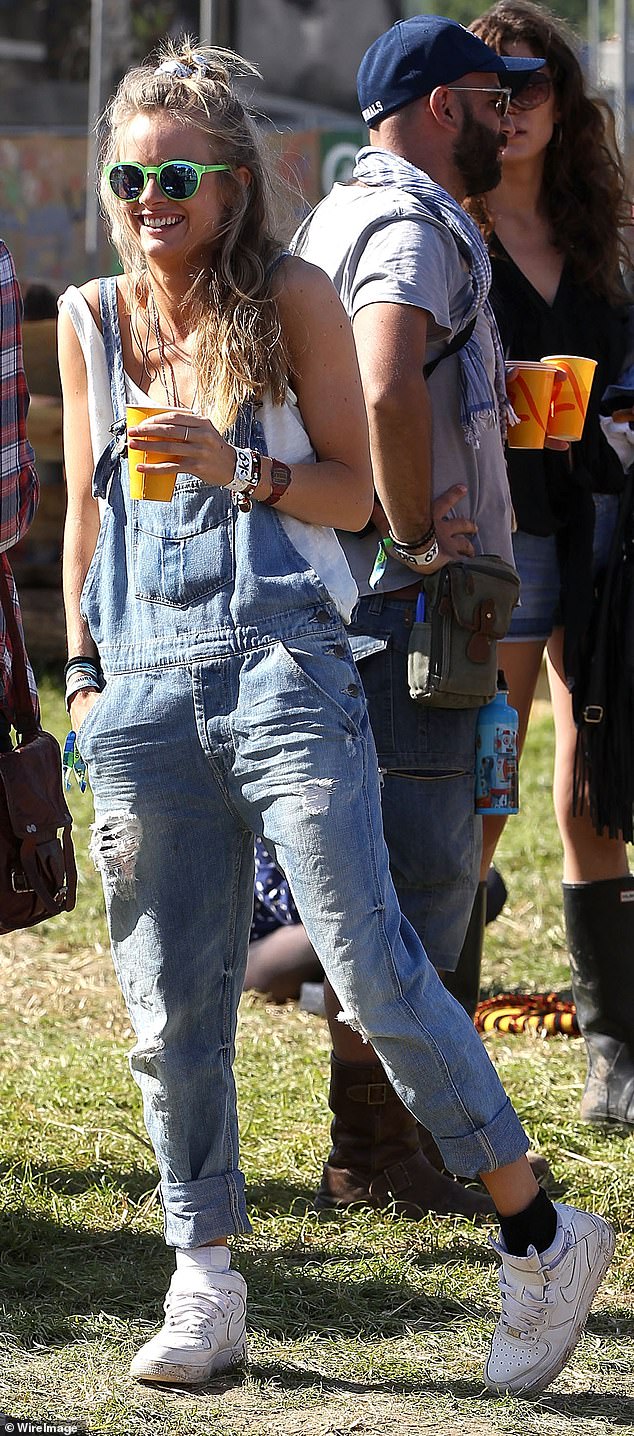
(545, 485)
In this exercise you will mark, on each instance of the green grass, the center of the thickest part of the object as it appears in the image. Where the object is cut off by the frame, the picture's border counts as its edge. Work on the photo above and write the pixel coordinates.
(360, 1324)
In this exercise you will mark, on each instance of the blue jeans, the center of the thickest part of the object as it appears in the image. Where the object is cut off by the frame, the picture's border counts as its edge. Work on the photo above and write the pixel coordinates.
(427, 759)
(538, 611)
(181, 784)
(233, 707)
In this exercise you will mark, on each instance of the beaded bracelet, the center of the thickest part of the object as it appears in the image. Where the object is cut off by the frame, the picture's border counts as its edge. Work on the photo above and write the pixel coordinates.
(421, 560)
(389, 545)
(246, 477)
(424, 542)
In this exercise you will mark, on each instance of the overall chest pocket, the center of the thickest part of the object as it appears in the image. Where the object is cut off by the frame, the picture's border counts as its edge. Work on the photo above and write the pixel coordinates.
(183, 551)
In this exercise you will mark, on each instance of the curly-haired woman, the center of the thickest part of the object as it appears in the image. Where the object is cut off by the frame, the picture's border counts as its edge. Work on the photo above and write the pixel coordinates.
(555, 227)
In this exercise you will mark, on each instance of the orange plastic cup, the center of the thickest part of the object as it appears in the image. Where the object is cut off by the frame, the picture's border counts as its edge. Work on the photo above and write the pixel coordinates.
(530, 393)
(570, 397)
(159, 487)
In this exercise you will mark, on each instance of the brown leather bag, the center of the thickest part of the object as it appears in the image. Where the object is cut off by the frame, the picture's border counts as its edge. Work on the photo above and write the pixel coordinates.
(38, 877)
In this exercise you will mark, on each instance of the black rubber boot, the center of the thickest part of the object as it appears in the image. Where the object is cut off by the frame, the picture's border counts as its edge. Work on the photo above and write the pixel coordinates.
(600, 931)
(464, 983)
(496, 894)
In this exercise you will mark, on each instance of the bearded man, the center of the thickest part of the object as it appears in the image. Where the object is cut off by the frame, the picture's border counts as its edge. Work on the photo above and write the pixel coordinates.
(414, 275)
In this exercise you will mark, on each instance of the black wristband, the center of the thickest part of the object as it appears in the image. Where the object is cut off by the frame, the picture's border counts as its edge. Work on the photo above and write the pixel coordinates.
(89, 664)
(426, 540)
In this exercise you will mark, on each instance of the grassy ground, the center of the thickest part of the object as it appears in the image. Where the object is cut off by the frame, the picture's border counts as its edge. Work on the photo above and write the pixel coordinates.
(361, 1324)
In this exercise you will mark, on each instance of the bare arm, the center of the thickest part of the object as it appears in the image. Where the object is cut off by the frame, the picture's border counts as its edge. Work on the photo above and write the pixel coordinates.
(82, 514)
(391, 344)
(391, 340)
(337, 489)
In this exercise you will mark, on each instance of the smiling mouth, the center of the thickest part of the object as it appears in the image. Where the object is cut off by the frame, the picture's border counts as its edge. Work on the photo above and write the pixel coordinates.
(154, 221)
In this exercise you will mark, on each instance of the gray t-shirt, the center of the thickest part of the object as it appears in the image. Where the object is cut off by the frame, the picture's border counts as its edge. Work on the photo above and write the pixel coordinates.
(379, 247)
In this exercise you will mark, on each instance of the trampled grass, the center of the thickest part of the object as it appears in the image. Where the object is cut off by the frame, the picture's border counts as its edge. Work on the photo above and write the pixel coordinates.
(359, 1324)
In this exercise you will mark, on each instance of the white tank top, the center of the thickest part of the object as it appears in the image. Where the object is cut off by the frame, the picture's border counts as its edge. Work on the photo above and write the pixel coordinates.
(286, 439)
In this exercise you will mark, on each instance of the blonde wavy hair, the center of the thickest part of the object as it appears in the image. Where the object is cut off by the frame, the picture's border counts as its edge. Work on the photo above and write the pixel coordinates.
(239, 351)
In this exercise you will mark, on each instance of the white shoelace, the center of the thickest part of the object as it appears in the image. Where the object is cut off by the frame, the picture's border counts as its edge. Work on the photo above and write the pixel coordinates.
(193, 1312)
(525, 1316)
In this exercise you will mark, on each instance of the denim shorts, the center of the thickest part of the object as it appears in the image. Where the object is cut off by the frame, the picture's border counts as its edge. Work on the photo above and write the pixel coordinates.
(535, 556)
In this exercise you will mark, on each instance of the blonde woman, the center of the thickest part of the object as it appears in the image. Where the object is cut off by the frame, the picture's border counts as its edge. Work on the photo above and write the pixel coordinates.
(214, 696)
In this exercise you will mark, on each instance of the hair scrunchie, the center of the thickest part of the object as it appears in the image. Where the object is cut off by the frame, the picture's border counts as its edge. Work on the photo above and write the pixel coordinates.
(180, 69)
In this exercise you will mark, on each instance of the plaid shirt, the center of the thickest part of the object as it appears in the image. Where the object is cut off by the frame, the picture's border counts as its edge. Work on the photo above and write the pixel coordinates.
(19, 487)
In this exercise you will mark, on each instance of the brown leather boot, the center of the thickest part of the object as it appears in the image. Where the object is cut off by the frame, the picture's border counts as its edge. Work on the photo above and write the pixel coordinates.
(540, 1166)
(376, 1160)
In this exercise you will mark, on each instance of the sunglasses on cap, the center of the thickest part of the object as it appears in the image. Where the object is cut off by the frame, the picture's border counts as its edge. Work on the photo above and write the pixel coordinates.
(177, 179)
(534, 92)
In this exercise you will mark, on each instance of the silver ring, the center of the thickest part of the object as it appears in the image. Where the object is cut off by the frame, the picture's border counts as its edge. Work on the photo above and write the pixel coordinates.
(186, 435)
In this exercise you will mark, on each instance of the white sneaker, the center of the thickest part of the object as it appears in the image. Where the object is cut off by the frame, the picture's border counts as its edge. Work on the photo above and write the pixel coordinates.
(204, 1331)
(545, 1301)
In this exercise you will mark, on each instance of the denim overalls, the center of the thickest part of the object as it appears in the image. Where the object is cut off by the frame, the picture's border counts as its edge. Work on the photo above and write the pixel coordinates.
(233, 707)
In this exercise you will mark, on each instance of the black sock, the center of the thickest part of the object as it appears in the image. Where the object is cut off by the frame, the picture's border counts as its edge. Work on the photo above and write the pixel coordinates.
(535, 1227)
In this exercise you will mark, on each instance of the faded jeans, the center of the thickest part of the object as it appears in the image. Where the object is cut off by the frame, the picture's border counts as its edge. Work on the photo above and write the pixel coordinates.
(180, 784)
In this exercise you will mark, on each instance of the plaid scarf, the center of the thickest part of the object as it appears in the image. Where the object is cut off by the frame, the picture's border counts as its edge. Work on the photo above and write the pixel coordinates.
(480, 407)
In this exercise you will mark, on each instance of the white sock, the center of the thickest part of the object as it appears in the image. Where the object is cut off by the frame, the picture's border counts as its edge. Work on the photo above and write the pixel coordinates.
(205, 1258)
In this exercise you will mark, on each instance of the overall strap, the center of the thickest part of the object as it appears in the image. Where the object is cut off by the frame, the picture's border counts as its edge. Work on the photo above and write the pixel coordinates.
(275, 263)
(111, 457)
(112, 344)
(247, 432)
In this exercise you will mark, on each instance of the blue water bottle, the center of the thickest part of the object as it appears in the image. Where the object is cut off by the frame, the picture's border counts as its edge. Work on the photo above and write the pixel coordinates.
(497, 761)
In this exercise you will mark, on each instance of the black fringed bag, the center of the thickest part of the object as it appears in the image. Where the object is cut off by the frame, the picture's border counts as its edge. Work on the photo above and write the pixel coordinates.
(603, 697)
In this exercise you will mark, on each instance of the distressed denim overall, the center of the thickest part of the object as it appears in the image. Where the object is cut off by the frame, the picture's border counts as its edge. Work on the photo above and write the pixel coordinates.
(232, 707)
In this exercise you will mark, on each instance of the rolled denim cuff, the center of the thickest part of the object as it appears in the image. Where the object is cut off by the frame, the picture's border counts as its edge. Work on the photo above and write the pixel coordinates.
(198, 1212)
(502, 1141)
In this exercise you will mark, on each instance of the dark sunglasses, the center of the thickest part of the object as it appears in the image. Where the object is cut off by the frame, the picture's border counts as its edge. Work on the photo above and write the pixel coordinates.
(535, 92)
(177, 179)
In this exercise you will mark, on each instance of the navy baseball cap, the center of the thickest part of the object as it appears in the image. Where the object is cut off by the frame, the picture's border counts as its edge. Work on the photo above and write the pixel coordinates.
(416, 55)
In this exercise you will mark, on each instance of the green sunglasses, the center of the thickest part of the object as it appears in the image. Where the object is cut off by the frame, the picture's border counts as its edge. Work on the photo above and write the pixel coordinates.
(177, 179)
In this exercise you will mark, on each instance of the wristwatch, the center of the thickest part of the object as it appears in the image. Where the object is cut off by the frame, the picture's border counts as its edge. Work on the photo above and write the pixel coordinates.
(280, 479)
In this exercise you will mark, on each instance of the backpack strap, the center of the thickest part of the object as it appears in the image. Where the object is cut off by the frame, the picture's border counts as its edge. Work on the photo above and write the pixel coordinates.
(458, 342)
